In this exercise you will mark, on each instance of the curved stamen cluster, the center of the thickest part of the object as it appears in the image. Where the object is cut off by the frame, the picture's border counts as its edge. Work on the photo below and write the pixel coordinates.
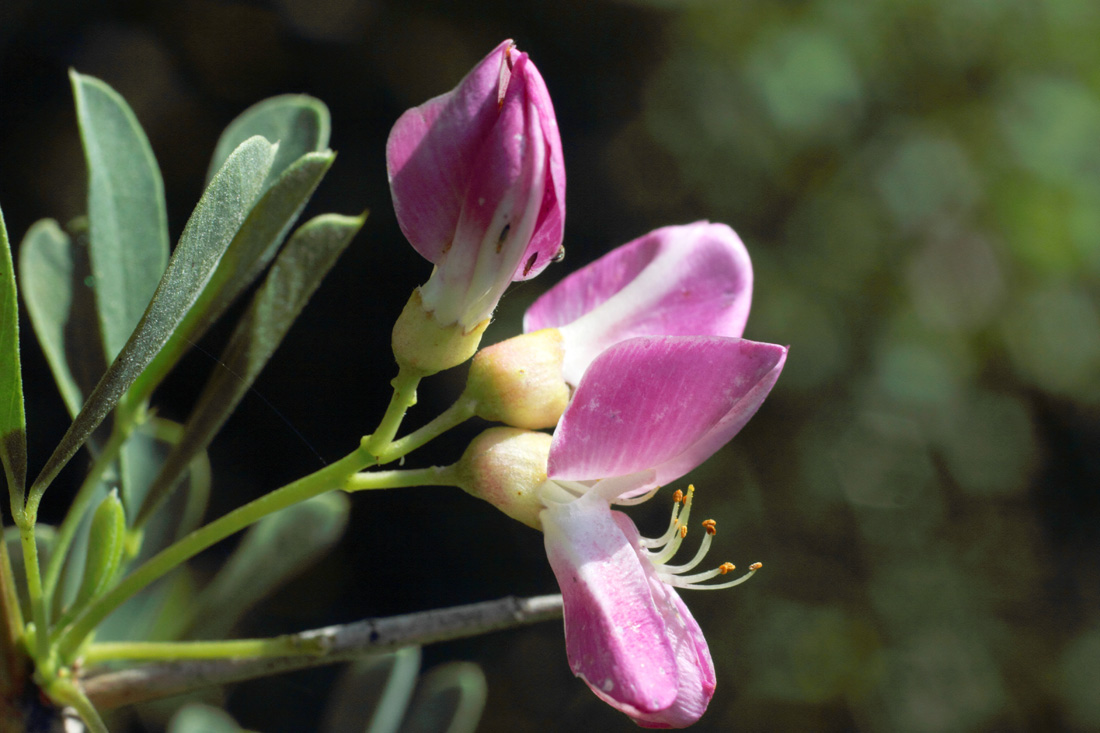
(662, 549)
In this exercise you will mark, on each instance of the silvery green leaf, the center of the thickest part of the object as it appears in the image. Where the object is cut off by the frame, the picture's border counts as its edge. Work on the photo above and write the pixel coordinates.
(13, 420)
(373, 693)
(126, 213)
(215, 221)
(198, 718)
(275, 550)
(298, 122)
(55, 274)
(449, 698)
(296, 274)
(251, 250)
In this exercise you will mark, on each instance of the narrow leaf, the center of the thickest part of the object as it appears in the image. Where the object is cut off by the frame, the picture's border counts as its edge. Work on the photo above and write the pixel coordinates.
(248, 254)
(126, 212)
(212, 225)
(450, 697)
(274, 551)
(13, 420)
(54, 272)
(297, 272)
(149, 446)
(299, 123)
(199, 718)
(374, 693)
(151, 614)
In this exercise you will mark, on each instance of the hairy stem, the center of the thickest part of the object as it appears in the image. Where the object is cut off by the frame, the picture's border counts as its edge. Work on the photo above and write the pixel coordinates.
(39, 611)
(12, 659)
(338, 643)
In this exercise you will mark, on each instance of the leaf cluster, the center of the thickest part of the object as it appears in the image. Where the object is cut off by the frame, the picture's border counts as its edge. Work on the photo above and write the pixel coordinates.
(114, 311)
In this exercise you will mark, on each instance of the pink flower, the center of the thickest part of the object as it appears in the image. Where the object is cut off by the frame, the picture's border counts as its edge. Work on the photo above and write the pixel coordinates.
(678, 280)
(647, 411)
(649, 338)
(478, 185)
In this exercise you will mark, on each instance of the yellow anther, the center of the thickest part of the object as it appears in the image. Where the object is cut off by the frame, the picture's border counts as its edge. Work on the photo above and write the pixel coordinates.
(710, 526)
(726, 567)
(683, 531)
(677, 497)
(691, 488)
(756, 566)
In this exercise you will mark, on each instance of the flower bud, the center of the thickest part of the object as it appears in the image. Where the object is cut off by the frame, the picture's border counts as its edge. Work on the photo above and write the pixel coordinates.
(423, 345)
(519, 381)
(505, 467)
(478, 184)
(105, 544)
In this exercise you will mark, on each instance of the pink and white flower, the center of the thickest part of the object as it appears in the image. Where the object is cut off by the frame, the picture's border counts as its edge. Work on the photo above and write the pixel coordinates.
(679, 280)
(478, 184)
(647, 410)
(694, 279)
(649, 338)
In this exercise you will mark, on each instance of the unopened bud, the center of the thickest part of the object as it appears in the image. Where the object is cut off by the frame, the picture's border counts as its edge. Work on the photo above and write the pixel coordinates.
(505, 467)
(106, 539)
(420, 344)
(519, 381)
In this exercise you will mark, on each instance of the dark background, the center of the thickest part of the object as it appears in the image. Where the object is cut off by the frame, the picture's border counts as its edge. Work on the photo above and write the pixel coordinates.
(918, 182)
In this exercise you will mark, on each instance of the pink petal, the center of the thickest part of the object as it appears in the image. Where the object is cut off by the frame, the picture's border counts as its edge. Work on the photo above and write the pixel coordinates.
(681, 280)
(550, 225)
(503, 199)
(431, 149)
(695, 668)
(615, 636)
(661, 402)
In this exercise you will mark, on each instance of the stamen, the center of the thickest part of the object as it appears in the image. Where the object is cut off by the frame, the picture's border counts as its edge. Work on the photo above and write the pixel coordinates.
(663, 555)
(704, 546)
(673, 526)
(719, 586)
(638, 499)
(665, 547)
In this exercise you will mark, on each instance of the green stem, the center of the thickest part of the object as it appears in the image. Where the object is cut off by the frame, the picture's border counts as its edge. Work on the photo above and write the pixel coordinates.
(79, 508)
(431, 476)
(330, 477)
(11, 626)
(278, 646)
(68, 693)
(39, 612)
(404, 397)
(455, 415)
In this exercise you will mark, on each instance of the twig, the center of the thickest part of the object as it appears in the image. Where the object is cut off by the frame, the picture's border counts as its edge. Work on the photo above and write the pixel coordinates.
(109, 690)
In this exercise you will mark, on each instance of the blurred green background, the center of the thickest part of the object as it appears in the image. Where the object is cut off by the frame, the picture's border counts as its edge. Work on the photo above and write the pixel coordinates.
(918, 182)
